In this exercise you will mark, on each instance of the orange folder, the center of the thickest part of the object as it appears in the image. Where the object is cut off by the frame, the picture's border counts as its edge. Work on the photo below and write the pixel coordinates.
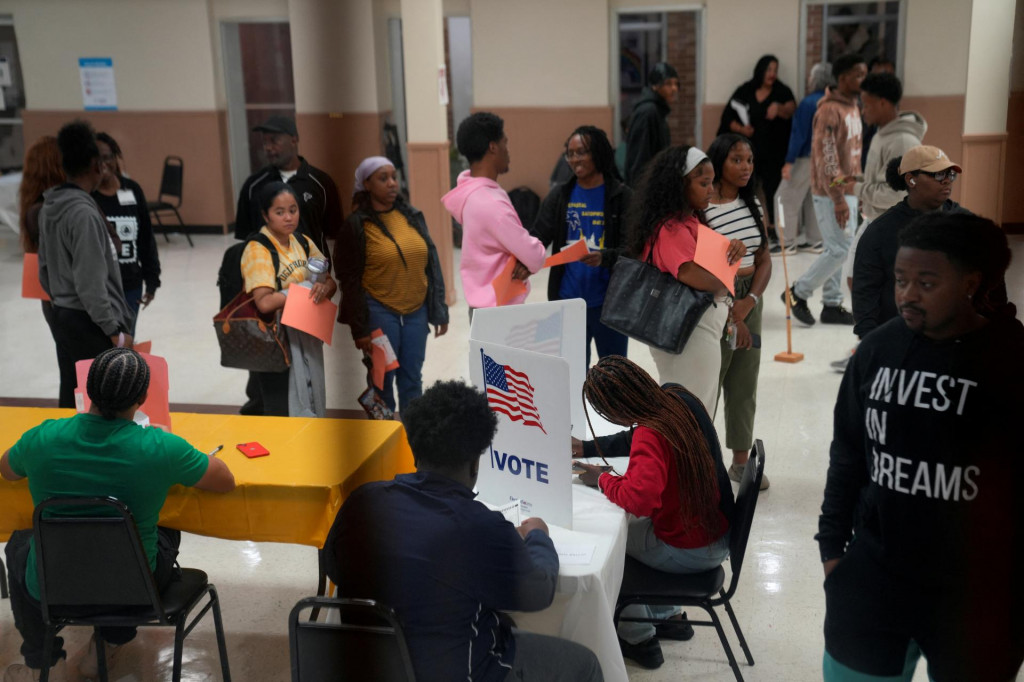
(30, 286)
(711, 255)
(505, 288)
(157, 406)
(569, 254)
(316, 319)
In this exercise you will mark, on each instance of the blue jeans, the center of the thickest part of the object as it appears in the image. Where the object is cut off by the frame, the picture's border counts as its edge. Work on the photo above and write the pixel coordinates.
(133, 297)
(408, 337)
(826, 269)
(607, 340)
(644, 546)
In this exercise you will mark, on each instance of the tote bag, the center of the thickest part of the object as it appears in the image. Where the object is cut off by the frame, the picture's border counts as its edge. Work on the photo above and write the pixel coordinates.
(248, 340)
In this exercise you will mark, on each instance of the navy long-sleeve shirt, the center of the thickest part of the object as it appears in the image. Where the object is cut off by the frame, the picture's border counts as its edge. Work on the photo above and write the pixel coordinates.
(422, 545)
(800, 133)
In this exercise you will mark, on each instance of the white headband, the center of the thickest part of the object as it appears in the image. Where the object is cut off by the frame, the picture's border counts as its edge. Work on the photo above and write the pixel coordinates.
(694, 156)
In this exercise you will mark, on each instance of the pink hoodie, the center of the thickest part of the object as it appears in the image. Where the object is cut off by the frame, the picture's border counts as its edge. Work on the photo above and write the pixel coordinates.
(490, 232)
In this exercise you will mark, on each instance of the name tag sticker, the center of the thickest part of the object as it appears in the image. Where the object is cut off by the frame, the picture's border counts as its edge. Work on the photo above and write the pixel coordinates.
(126, 197)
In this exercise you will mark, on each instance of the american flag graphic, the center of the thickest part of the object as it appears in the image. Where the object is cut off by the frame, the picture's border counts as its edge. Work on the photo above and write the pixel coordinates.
(510, 393)
(544, 336)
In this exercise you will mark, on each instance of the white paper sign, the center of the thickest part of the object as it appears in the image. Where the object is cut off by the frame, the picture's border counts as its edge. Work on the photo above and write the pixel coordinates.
(99, 92)
(556, 328)
(529, 457)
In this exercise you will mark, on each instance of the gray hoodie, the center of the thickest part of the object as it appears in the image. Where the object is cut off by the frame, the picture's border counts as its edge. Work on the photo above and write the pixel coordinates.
(892, 140)
(77, 260)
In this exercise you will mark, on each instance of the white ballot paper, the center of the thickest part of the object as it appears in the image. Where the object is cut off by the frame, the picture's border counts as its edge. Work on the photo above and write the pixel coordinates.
(575, 554)
(513, 512)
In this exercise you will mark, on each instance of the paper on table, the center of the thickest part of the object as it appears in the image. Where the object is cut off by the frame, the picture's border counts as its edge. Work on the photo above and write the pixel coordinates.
(513, 512)
(575, 554)
(316, 319)
(156, 405)
(506, 288)
(710, 255)
(569, 254)
(30, 286)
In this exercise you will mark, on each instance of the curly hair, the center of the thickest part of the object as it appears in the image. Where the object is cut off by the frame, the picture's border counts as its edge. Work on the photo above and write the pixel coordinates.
(118, 378)
(660, 196)
(624, 394)
(115, 149)
(78, 150)
(42, 171)
(596, 142)
(477, 132)
(718, 152)
(450, 425)
(972, 244)
(893, 177)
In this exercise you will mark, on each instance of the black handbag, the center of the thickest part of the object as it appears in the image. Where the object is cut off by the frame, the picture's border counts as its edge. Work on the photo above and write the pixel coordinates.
(652, 306)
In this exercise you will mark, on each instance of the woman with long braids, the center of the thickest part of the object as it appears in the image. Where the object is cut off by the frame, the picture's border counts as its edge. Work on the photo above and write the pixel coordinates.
(676, 487)
(735, 212)
(674, 187)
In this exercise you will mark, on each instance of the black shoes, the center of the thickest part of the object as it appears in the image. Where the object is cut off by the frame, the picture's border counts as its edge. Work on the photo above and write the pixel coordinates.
(678, 630)
(834, 314)
(799, 308)
(647, 654)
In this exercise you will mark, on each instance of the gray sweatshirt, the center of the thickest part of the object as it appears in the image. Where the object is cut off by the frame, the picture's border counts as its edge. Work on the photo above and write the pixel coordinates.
(892, 140)
(77, 260)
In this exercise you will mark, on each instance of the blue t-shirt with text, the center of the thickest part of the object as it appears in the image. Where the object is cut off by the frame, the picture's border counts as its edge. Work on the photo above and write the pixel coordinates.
(584, 217)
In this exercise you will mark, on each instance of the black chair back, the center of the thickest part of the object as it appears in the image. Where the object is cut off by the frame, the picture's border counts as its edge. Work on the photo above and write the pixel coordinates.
(368, 643)
(173, 179)
(743, 513)
(88, 554)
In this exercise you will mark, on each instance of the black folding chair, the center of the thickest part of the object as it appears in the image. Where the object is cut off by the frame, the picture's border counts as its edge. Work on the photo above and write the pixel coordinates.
(171, 183)
(368, 643)
(94, 572)
(642, 584)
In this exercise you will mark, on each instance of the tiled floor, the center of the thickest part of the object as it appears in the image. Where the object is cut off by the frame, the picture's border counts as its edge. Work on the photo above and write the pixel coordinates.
(779, 602)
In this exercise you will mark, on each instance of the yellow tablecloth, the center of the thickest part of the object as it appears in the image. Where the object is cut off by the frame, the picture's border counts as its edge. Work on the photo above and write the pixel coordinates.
(292, 495)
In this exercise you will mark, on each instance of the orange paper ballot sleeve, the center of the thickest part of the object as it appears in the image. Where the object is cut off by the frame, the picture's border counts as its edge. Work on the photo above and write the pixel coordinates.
(569, 254)
(506, 288)
(711, 255)
(316, 319)
(30, 286)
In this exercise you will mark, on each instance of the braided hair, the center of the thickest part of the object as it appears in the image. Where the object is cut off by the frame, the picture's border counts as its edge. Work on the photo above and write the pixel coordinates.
(118, 379)
(624, 394)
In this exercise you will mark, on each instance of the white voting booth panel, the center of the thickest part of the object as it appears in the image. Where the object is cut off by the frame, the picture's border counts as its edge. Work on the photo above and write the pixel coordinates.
(557, 328)
(529, 456)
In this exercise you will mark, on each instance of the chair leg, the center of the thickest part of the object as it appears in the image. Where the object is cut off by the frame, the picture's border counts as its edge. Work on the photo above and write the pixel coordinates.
(321, 586)
(725, 644)
(182, 223)
(156, 214)
(4, 594)
(739, 633)
(179, 645)
(44, 674)
(218, 626)
(101, 657)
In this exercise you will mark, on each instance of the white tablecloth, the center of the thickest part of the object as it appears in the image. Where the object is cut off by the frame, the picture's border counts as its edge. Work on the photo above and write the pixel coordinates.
(585, 599)
(9, 185)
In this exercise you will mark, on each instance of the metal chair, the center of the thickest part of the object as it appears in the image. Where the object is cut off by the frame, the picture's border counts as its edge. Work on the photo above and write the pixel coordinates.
(642, 584)
(171, 183)
(94, 572)
(368, 643)
(4, 594)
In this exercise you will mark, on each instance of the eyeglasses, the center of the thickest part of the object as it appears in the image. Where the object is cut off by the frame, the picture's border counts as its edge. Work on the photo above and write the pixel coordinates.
(106, 158)
(941, 175)
(570, 155)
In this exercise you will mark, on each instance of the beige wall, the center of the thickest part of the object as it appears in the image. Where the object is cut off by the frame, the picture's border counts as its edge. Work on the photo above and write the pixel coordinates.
(163, 57)
(937, 38)
(243, 10)
(988, 70)
(539, 53)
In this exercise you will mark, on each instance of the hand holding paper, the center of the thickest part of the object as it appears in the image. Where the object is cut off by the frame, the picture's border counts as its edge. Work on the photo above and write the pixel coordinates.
(711, 254)
(505, 288)
(303, 313)
(569, 254)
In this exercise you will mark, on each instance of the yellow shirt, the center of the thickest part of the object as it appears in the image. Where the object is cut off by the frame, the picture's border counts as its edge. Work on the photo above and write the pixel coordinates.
(258, 268)
(400, 287)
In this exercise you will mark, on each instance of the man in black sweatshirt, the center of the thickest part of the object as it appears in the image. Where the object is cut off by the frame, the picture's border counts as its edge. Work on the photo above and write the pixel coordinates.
(648, 125)
(922, 526)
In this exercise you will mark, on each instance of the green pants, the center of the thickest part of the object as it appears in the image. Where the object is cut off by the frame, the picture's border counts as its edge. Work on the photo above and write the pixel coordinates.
(737, 380)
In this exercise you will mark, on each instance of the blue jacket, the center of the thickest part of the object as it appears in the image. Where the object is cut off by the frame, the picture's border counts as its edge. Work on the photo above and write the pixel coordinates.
(800, 134)
(421, 544)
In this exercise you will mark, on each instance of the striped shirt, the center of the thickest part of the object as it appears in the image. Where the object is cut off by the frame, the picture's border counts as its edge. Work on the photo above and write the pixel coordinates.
(402, 287)
(734, 220)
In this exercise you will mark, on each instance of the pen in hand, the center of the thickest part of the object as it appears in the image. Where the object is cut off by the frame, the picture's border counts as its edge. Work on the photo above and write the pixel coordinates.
(216, 450)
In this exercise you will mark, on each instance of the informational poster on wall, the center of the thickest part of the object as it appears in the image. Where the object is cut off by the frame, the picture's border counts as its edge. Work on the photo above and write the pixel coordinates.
(554, 328)
(529, 459)
(99, 91)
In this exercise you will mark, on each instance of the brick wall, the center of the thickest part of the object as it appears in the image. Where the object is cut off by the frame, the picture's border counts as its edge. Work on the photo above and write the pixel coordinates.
(682, 54)
(812, 51)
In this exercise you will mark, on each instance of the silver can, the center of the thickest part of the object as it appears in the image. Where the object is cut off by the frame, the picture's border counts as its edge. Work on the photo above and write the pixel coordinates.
(317, 269)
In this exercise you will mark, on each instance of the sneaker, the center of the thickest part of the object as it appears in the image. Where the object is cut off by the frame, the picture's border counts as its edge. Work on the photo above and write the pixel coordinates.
(89, 667)
(23, 673)
(776, 249)
(808, 247)
(836, 314)
(647, 654)
(675, 628)
(736, 474)
(799, 308)
(840, 365)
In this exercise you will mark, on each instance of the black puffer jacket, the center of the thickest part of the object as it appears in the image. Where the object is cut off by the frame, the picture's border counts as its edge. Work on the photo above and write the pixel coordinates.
(350, 262)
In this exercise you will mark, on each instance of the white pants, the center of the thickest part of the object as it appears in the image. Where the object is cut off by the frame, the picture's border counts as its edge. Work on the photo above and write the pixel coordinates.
(698, 366)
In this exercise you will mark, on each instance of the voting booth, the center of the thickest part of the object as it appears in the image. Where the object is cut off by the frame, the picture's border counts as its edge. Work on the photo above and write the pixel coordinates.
(555, 328)
(529, 457)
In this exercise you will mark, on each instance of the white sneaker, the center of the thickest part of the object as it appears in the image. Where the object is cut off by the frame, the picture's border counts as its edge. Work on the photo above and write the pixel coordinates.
(89, 666)
(23, 673)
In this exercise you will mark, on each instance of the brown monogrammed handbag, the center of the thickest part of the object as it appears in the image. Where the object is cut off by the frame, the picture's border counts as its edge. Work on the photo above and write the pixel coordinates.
(248, 339)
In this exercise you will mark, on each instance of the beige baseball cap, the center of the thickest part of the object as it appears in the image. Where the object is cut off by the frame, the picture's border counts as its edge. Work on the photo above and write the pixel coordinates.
(926, 158)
